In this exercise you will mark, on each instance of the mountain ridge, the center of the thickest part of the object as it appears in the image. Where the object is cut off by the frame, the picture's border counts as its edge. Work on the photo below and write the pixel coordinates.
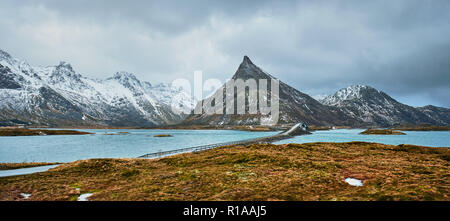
(295, 106)
(356, 106)
(59, 96)
(375, 107)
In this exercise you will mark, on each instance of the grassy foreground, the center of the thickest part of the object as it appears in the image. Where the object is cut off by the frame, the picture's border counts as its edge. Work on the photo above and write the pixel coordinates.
(314, 171)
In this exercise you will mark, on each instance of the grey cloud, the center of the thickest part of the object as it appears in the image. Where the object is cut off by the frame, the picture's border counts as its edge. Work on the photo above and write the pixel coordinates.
(400, 47)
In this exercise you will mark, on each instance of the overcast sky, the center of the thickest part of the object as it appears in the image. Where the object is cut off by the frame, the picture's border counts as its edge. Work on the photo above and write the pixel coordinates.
(400, 47)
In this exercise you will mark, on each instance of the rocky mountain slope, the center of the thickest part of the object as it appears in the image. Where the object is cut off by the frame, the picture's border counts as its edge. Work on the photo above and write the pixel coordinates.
(375, 107)
(295, 106)
(440, 115)
(59, 96)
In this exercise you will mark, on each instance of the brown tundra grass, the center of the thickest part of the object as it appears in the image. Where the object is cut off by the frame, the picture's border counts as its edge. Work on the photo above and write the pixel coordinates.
(314, 171)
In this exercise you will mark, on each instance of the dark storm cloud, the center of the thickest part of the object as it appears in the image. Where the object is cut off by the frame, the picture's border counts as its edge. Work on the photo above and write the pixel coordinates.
(400, 47)
(169, 17)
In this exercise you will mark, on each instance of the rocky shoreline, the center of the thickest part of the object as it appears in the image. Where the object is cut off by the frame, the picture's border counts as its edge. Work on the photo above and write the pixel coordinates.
(38, 132)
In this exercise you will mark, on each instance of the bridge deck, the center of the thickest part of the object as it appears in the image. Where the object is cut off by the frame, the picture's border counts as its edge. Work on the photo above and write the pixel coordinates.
(268, 139)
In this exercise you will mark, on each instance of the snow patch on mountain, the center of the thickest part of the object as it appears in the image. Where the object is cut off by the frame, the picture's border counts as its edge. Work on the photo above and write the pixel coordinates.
(294, 106)
(350, 93)
(113, 100)
(375, 107)
(319, 97)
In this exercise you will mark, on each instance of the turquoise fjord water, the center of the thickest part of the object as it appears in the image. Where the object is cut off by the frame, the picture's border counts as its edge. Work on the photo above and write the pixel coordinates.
(422, 138)
(63, 148)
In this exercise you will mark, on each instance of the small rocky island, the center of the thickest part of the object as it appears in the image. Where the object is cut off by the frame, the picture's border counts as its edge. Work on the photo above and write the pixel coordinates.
(382, 132)
(118, 133)
(38, 132)
(163, 135)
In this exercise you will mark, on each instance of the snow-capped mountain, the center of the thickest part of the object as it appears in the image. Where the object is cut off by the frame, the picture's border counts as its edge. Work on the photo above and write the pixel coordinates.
(59, 96)
(319, 97)
(375, 107)
(295, 106)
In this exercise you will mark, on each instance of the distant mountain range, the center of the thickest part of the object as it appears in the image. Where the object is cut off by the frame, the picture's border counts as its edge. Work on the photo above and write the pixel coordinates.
(357, 105)
(375, 107)
(59, 96)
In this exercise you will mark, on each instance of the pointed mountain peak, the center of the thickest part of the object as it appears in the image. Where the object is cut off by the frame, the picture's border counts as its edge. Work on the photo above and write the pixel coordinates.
(64, 65)
(127, 79)
(63, 69)
(362, 89)
(4, 55)
(358, 87)
(246, 60)
(249, 70)
(124, 75)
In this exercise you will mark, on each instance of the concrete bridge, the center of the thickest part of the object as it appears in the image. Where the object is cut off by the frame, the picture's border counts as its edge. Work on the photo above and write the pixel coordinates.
(297, 129)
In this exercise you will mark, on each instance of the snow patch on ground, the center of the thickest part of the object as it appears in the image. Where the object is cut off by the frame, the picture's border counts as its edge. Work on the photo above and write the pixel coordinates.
(25, 195)
(84, 197)
(353, 182)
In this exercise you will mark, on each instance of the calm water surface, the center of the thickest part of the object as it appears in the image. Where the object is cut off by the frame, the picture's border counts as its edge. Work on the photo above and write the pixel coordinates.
(68, 148)
(23, 171)
(424, 138)
(63, 148)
